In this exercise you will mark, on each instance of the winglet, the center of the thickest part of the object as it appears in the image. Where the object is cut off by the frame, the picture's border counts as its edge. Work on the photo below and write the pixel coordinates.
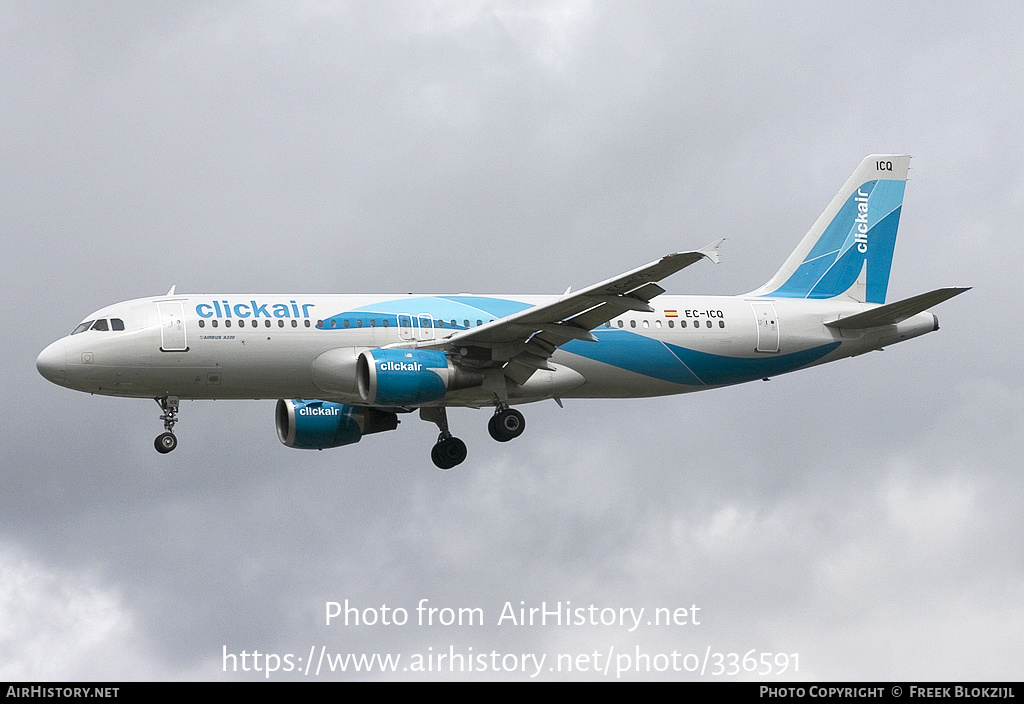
(171, 292)
(711, 250)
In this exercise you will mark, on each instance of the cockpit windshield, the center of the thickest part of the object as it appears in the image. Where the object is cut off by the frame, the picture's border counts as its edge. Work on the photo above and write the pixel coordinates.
(101, 325)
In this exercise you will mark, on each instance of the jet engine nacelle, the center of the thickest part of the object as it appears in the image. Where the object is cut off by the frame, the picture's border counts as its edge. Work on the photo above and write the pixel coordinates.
(398, 377)
(318, 425)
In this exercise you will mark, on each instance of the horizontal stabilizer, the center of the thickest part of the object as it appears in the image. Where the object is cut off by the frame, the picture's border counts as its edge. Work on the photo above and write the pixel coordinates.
(897, 312)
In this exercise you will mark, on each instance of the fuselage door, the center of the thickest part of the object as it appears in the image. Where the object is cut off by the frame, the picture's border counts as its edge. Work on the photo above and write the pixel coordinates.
(405, 326)
(172, 327)
(426, 326)
(767, 326)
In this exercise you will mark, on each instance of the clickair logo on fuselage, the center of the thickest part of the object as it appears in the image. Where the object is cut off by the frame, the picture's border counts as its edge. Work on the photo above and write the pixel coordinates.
(253, 309)
(861, 238)
(400, 366)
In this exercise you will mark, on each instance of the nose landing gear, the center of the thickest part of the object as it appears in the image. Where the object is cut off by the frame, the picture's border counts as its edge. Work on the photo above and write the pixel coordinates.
(166, 441)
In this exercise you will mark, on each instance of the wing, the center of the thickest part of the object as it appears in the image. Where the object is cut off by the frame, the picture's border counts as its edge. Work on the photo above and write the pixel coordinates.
(523, 342)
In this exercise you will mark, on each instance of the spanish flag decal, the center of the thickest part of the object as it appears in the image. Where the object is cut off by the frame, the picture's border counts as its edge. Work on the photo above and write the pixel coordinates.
(671, 314)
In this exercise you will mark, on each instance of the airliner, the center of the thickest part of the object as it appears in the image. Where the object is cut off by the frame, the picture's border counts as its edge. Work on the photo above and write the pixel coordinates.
(345, 366)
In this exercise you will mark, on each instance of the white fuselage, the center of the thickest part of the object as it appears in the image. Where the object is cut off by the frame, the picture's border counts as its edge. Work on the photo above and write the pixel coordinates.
(268, 347)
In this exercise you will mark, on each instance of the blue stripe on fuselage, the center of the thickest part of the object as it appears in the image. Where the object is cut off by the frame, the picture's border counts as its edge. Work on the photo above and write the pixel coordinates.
(668, 362)
(619, 348)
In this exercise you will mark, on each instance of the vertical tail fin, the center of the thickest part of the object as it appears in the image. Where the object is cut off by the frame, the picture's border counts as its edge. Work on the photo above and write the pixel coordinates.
(848, 251)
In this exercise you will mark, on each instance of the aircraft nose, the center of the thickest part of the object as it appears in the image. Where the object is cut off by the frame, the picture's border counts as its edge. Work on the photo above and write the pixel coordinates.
(52, 363)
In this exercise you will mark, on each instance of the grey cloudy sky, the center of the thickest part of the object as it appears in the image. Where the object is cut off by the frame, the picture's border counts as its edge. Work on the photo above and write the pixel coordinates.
(865, 515)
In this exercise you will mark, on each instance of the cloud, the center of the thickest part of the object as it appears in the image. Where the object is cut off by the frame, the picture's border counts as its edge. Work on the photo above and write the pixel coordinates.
(863, 514)
(60, 624)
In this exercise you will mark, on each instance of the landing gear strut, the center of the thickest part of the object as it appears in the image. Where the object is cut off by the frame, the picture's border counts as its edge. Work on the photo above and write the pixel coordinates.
(166, 441)
(506, 423)
(448, 451)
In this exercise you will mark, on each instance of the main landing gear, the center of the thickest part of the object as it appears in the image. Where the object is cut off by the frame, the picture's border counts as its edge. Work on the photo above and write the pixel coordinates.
(506, 423)
(166, 441)
(449, 451)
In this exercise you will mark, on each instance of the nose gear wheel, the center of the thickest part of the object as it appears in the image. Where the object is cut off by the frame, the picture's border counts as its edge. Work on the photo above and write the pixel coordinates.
(166, 441)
